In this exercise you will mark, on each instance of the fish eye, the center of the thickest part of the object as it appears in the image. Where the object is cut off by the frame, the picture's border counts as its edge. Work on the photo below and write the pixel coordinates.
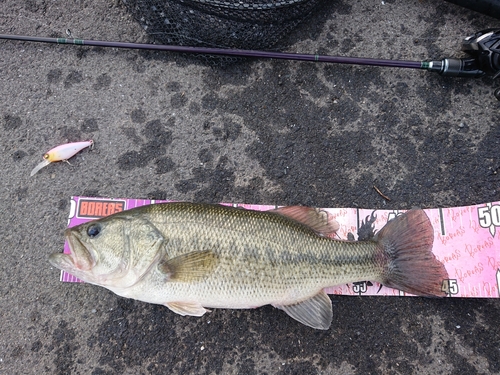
(93, 230)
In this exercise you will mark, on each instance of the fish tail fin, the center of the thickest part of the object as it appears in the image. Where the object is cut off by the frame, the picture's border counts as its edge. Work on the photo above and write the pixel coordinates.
(405, 245)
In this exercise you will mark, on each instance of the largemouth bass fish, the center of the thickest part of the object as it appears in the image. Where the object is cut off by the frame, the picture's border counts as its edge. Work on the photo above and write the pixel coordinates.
(190, 257)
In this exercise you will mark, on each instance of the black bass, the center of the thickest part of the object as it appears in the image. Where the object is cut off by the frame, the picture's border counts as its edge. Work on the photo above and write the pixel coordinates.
(190, 257)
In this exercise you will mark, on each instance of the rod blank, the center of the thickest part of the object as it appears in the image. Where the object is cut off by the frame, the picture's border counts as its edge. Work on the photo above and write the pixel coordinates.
(224, 52)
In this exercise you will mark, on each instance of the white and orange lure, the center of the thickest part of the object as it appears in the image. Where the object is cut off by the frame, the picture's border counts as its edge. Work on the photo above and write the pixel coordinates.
(61, 153)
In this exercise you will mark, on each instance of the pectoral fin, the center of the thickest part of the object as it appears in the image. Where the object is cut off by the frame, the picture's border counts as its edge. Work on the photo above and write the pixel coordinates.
(321, 221)
(316, 312)
(188, 267)
(183, 308)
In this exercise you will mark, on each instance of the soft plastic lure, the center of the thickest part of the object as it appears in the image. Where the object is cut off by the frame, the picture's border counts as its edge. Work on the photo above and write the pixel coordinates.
(61, 153)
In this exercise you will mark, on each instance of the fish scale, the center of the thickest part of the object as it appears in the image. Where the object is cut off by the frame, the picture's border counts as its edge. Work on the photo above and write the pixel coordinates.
(190, 257)
(285, 252)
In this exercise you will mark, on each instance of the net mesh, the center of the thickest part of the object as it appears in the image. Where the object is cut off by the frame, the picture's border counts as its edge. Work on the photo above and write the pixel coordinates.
(242, 24)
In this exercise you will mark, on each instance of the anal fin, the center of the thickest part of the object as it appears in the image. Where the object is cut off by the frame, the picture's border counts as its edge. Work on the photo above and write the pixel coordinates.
(186, 308)
(315, 312)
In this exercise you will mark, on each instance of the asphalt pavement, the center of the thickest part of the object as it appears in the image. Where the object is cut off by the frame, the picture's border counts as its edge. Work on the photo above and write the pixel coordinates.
(263, 132)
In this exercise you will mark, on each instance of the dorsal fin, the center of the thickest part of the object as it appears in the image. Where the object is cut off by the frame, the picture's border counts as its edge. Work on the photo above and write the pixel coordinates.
(321, 221)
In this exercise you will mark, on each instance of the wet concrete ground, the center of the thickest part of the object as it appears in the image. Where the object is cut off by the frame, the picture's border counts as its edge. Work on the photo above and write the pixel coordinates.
(266, 132)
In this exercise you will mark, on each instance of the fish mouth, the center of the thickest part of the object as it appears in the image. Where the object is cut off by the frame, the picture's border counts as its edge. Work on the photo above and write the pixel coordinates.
(80, 257)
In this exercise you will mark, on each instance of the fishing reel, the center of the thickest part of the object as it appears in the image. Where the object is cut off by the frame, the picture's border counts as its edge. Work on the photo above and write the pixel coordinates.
(484, 49)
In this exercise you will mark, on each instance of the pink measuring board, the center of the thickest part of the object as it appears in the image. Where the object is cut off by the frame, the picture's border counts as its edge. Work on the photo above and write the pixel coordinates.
(466, 241)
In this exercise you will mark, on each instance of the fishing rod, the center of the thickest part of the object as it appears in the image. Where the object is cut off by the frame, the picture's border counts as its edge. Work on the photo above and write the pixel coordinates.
(482, 47)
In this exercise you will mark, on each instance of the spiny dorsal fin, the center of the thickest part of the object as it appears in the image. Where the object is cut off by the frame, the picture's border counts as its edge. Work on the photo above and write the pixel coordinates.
(321, 221)
(315, 312)
(189, 267)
